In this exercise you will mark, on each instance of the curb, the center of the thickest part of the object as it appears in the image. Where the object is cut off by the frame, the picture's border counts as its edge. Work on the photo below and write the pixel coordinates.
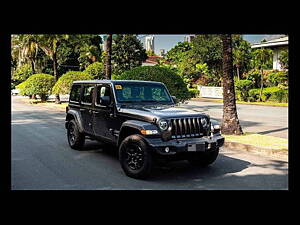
(280, 154)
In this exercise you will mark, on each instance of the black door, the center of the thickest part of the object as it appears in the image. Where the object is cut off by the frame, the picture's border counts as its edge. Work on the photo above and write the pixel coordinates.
(86, 108)
(104, 121)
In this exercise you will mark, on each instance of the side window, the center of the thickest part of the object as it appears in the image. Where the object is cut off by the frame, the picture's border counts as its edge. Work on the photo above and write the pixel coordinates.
(75, 93)
(87, 96)
(102, 91)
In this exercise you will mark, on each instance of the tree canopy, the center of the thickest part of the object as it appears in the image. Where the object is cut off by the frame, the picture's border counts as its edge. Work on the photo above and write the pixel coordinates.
(127, 53)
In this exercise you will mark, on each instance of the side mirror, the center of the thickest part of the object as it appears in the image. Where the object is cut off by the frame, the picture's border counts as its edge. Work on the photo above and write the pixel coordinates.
(105, 100)
(174, 99)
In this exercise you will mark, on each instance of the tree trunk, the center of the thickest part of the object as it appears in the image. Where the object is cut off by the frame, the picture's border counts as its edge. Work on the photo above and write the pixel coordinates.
(238, 72)
(57, 99)
(230, 123)
(32, 66)
(261, 84)
(108, 57)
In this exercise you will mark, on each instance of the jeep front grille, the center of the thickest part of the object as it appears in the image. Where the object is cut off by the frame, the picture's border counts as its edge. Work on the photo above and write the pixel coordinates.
(186, 127)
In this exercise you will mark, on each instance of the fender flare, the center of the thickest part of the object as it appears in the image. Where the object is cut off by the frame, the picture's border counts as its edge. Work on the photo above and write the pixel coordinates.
(76, 115)
(136, 125)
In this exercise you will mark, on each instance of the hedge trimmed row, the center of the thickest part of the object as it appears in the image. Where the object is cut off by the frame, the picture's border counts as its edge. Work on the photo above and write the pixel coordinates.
(64, 83)
(39, 84)
(172, 80)
(274, 94)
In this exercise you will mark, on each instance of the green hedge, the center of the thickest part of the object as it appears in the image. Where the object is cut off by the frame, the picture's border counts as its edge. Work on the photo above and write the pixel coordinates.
(173, 81)
(194, 92)
(275, 78)
(96, 70)
(21, 74)
(242, 89)
(274, 94)
(64, 83)
(38, 84)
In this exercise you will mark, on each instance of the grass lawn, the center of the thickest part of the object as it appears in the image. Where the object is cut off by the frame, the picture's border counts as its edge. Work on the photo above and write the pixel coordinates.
(258, 140)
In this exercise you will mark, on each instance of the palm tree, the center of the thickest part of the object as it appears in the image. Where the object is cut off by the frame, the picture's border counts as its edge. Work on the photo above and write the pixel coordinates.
(49, 43)
(108, 57)
(261, 58)
(230, 123)
(30, 50)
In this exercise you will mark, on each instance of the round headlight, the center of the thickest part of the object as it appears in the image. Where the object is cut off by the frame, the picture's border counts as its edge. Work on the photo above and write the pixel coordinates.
(204, 122)
(163, 124)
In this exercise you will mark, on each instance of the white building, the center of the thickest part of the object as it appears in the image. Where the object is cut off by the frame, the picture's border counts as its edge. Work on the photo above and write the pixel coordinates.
(277, 45)
(189, 38)
(149, 43)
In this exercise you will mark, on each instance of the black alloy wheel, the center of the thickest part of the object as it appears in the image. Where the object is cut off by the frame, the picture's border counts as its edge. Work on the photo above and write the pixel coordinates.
(75, 138)
(135, 157)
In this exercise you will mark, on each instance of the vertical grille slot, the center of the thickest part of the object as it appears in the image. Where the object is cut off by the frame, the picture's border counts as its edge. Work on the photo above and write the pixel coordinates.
(186, 127)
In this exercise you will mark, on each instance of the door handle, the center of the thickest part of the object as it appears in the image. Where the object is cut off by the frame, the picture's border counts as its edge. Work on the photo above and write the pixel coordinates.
(111, 115)
(82, 109)
(95, 112)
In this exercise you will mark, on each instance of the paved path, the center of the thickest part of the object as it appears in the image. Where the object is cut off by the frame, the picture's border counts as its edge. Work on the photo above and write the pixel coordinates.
(42, 160)
(267, 120)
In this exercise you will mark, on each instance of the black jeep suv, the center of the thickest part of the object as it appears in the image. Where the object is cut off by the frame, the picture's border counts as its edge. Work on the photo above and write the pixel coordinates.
(142, 120)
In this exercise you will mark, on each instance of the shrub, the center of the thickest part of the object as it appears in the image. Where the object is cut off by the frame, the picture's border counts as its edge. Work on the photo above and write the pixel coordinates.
(22, 88)
(21, 74)
(64, 83)
(194, 92)
(38, 84)
(242, 89)
(275, 94)
(96, 70)
(253, 95)
(275, 78)
(172, 80)
(284, 59)
(255, 77)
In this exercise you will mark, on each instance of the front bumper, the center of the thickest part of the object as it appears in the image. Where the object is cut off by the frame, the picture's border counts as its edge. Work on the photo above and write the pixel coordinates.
(186, 145)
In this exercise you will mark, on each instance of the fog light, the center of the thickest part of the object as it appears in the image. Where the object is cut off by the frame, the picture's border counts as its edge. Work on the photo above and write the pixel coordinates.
(167, 149)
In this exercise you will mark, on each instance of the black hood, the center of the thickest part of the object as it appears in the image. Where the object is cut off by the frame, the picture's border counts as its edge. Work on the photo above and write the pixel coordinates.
(156, 112)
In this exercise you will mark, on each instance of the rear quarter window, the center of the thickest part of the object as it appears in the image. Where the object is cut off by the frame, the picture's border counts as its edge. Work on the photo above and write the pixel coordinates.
(75, 93)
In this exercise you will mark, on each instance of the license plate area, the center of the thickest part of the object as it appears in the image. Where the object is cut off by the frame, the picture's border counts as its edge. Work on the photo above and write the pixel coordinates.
(196, 148)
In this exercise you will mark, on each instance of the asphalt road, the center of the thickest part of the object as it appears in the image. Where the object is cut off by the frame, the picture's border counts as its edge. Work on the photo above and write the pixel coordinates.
(259, 119)
(42, 160)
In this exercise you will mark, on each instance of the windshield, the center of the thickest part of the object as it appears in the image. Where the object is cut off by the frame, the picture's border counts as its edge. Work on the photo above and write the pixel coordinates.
(142, 92)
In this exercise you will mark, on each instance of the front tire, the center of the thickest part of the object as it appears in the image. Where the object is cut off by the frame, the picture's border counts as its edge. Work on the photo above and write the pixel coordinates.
(75, 138)
(135, 157)
(204, 159)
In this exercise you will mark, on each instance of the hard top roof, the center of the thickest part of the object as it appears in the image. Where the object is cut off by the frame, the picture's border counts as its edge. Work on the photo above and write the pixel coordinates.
(112, 81)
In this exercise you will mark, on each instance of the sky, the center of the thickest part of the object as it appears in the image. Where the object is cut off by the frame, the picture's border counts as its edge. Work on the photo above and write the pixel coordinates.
(169, 41)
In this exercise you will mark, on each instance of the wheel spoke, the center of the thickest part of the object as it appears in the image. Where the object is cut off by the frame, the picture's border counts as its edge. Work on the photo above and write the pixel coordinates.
(134, 157)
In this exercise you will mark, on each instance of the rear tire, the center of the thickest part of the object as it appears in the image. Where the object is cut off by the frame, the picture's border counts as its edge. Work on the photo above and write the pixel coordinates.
(135, 157)
(204, 159)
(75, 138)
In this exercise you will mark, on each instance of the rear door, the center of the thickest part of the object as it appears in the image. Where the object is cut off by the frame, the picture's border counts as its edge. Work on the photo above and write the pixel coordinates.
(86, 109)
